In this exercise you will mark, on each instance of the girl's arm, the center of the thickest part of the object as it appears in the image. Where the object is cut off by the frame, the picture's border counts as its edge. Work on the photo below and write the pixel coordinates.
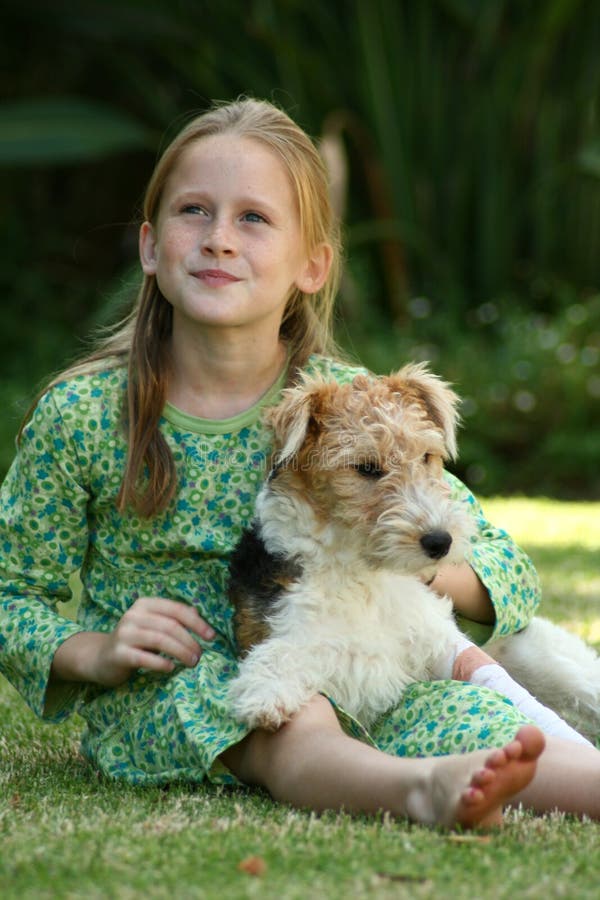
(44, 537)
(497, 590)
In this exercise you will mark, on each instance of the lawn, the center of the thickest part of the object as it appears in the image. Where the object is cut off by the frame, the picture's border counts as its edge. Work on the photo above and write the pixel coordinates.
(67, 834)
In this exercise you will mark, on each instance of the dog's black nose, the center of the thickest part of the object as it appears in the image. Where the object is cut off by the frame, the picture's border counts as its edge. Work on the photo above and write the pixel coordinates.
(436, 543)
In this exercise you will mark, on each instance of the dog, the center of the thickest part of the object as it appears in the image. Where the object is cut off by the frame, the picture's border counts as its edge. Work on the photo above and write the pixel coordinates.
(330, 583)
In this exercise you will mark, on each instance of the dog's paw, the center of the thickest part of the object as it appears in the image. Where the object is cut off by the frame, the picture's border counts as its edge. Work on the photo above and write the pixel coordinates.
(271, 721)
(261, 708)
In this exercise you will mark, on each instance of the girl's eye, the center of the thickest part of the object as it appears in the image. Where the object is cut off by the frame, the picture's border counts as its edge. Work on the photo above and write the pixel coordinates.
(369, 469)
(194, 209)
(253, 217)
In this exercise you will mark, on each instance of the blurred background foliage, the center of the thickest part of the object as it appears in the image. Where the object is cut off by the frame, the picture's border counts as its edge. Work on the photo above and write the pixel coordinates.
(464, 143)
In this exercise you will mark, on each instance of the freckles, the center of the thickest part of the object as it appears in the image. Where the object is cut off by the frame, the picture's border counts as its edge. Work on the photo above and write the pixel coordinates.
(175, 244)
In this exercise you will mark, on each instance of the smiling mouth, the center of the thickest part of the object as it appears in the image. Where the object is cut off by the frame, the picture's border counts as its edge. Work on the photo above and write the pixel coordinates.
(215, 277)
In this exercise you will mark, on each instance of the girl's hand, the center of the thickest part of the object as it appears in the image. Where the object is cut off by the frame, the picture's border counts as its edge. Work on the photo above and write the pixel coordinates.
(152, 626)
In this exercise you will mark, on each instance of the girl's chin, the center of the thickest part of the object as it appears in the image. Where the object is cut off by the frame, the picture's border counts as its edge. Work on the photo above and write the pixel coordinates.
(226, 316)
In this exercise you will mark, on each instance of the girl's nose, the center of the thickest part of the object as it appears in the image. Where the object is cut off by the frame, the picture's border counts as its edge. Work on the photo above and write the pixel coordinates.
(219, 240)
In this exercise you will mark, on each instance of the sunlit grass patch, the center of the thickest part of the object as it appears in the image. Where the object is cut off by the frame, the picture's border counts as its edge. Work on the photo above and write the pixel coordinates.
(563, 539)
(547, 523)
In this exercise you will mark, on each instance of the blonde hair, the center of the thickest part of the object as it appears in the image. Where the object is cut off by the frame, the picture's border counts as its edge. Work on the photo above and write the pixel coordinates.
(141, 340)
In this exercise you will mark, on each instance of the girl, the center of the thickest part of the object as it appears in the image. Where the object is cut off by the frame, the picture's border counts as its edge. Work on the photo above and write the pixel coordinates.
(140, 466)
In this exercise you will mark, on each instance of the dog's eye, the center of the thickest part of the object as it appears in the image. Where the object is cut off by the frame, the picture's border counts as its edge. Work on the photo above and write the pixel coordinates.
(369, 470)
(427, 458)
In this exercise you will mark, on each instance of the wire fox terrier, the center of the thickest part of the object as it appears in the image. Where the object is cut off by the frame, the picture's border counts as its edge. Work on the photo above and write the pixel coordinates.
(330, 584)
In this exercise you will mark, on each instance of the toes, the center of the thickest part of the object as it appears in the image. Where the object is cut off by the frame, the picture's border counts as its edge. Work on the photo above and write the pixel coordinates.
(472, 797)
(497, 759)
(483, 777)
(506, 772)
(531, 740)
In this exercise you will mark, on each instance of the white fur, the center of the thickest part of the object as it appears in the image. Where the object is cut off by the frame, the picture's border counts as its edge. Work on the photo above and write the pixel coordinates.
(342, 637)
(357, 633)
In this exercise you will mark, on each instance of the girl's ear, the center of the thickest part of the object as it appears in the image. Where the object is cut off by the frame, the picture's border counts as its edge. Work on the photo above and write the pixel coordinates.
(147, 249)
(315, 270)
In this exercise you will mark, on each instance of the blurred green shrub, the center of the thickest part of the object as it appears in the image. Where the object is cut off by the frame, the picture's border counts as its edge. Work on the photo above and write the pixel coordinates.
(529, 383)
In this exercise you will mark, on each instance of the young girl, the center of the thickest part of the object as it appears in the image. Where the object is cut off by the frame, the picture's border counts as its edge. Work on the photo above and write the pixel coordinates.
(140, 467)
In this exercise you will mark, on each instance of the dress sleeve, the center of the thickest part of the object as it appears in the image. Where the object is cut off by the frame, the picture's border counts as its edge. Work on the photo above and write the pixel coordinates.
(505, 570)
(43, 540)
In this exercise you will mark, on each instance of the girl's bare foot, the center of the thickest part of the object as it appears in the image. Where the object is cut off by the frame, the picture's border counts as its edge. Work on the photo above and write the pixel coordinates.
(503, 773)
(506, 772)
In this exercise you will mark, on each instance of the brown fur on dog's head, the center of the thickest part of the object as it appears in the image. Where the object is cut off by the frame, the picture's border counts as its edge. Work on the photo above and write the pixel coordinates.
(311, 405)
(418, 385)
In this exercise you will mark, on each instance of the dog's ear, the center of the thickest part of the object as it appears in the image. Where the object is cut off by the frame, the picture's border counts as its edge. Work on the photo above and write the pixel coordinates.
(291, 419)
(434, 395)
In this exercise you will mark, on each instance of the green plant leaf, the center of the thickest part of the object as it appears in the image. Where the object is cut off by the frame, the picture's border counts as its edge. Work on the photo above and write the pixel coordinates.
(589, 160)
(65, 130)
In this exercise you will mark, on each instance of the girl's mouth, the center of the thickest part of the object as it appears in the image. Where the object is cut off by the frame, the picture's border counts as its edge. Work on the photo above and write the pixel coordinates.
(215, 277)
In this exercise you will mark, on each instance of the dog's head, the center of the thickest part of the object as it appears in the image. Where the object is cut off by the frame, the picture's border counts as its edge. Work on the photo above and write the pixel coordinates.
(367, 459)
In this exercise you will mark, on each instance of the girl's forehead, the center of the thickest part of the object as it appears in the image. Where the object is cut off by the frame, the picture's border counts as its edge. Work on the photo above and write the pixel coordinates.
(230, 156)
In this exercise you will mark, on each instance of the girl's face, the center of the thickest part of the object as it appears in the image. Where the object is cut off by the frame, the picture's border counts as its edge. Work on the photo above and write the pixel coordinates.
(227, 249)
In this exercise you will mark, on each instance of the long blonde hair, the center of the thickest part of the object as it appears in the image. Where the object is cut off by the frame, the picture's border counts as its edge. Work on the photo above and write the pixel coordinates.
(141, 340)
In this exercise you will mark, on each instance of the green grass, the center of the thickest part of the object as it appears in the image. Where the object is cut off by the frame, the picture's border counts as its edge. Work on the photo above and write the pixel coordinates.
(563, 539)
(66, 833)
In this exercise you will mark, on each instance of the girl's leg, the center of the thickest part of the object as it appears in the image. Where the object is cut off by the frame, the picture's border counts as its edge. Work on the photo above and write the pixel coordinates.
(311, 763)
(567, 779)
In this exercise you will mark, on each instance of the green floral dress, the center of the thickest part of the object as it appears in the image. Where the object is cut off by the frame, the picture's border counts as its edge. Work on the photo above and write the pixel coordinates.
(58, 515)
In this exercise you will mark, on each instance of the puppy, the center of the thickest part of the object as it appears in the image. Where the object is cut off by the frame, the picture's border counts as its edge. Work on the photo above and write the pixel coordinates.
(330, 582)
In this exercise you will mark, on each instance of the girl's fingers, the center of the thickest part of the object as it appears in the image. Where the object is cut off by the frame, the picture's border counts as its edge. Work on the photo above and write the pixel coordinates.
(183, 613)
(144, 659)
(136, 621)
(157, 635)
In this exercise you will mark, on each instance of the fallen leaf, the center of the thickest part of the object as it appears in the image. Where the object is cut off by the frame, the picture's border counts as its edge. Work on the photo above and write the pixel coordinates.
(253, 865)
